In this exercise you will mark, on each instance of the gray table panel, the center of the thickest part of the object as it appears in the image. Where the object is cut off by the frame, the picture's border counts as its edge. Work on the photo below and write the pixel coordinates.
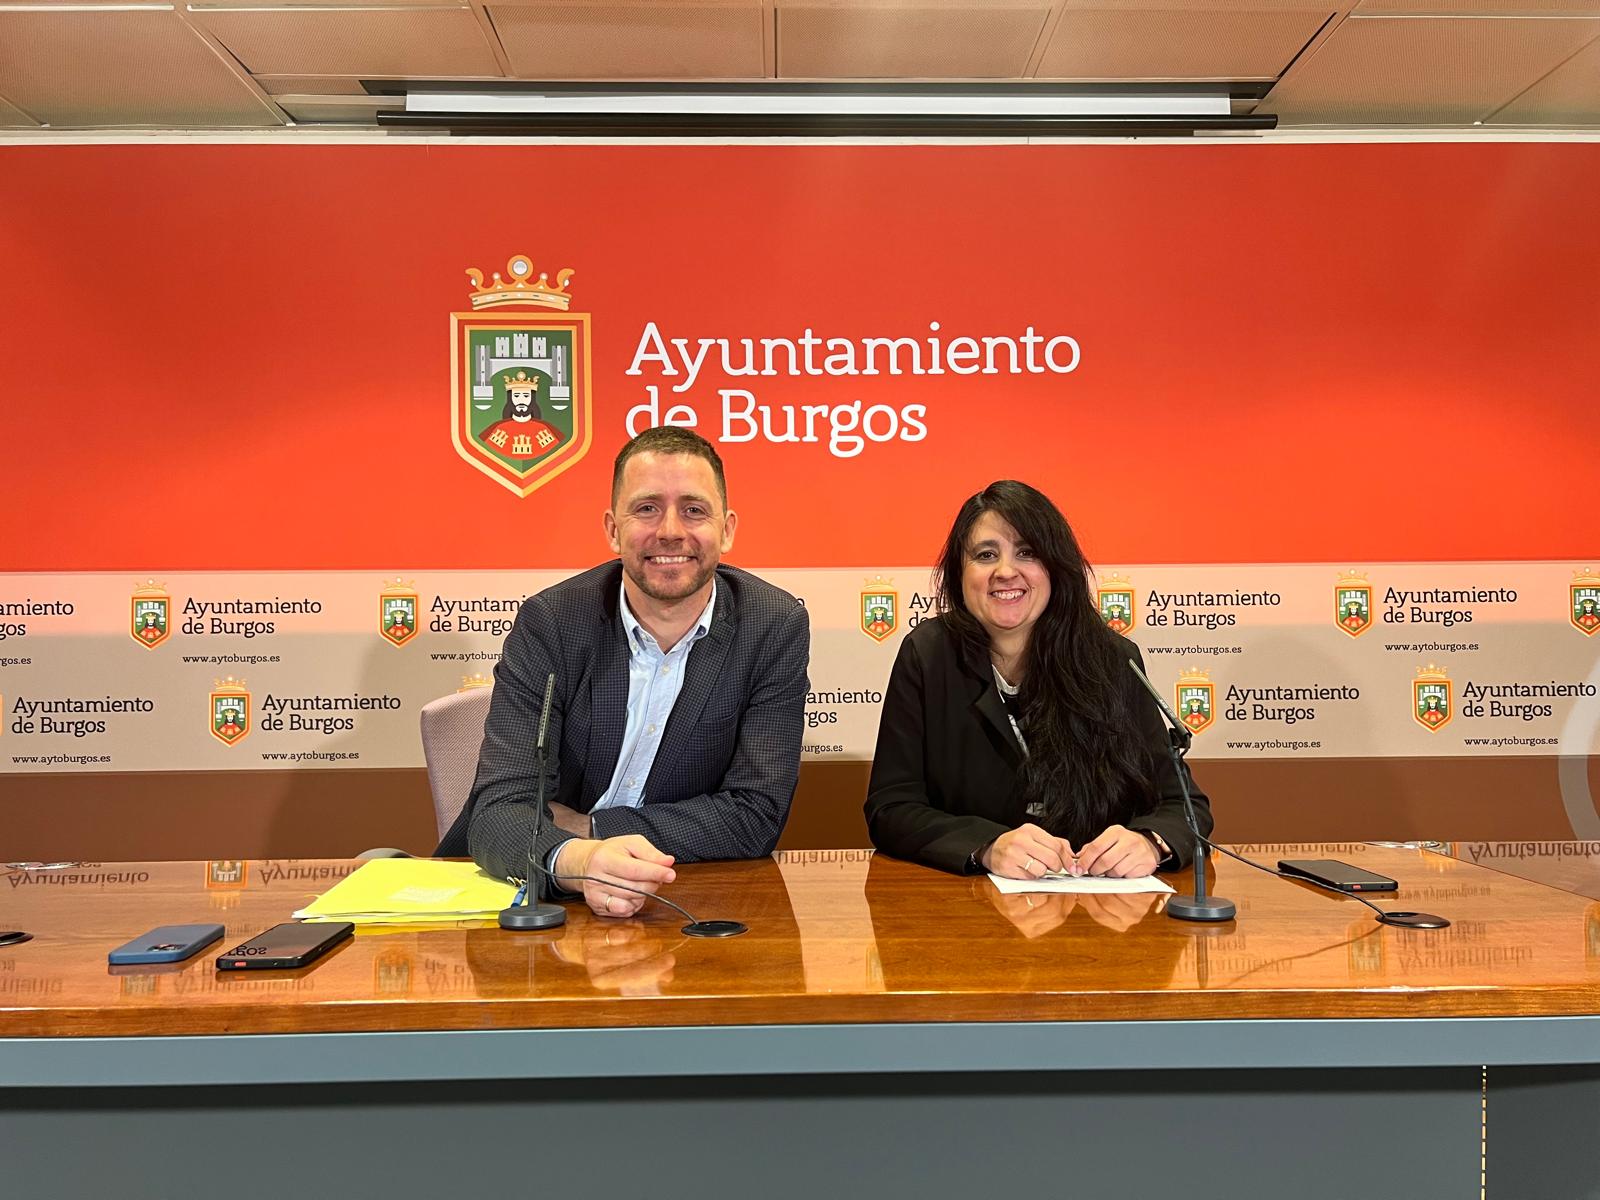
(794, 1050)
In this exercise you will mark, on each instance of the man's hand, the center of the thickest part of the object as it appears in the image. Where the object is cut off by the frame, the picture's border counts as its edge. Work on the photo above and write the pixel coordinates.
(1027, 852)
(571, 820)
(1119, 852)
(629, 859)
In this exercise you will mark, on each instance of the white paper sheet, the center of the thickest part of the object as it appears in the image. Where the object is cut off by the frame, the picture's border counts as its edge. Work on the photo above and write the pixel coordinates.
(1102, 885)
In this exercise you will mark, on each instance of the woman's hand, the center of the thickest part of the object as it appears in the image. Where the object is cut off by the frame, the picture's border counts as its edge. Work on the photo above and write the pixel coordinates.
(1120, 853)
(1027, 852)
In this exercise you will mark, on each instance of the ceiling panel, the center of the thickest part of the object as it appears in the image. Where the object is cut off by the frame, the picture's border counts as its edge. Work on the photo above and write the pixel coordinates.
(906, 42)
(1477, 7)
(107, 68)
(1569, 95)
(353, 41)
(11, 116)
(607, 41)
(1176, 45)
(1386, 70)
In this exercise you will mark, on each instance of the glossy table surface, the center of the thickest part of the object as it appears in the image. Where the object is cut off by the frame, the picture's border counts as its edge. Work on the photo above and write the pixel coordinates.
(835, 937)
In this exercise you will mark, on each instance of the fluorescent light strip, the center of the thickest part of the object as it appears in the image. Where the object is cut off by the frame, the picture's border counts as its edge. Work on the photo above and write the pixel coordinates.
(978, 104)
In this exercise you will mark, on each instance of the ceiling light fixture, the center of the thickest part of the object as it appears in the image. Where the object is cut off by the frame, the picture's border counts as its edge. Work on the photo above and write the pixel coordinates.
(819, 109)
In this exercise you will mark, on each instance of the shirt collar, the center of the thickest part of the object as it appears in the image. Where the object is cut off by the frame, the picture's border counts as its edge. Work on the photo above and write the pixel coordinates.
(638, 635)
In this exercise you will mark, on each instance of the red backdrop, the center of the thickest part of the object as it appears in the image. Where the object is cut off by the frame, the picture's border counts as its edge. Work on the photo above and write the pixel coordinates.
(238, 357)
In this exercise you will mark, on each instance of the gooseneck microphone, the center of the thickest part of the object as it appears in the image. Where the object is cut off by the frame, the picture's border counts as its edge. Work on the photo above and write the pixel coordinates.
(1199, 906)
(532, 914)
(1179, 735)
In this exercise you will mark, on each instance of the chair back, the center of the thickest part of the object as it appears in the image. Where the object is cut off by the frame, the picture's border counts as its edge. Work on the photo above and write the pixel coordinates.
(452, 734)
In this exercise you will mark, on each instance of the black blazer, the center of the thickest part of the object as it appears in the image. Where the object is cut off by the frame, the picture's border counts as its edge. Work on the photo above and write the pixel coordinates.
(724, 776)
(945, 775)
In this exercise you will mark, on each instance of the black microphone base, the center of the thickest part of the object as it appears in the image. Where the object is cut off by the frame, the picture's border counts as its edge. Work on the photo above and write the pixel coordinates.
(1200, 908)
(533, 916)
(715, 929)
(1414, 920)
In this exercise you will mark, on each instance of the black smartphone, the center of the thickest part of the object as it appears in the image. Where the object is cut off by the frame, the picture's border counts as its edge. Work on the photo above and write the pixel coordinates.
(1337, 874)
(283, 947)
(165, 944)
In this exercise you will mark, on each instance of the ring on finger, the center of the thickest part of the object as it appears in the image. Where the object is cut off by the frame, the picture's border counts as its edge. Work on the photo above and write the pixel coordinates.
(1027, 867)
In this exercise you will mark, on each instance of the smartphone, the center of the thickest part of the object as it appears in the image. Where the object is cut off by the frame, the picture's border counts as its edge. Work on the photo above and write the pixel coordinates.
(165, 944)
(1337, 874)
(285, 946)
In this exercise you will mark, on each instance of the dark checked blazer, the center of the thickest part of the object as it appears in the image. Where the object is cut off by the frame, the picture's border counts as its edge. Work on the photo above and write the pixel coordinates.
(725, 773)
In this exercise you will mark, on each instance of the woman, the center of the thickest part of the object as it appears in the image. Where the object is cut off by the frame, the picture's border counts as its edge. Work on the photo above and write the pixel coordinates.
(1015, 738)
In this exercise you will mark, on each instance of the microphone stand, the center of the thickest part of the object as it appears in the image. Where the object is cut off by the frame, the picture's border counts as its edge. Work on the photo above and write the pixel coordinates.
(1199, 906)
(531, 913)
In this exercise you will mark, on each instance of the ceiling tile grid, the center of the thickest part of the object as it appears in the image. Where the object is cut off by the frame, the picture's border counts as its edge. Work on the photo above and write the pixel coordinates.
(1422, 71)
(1156, 44)
(1568, 95)
(110, 68)
(612, 41)
(12, 117)
(906, 41)
(408, 40)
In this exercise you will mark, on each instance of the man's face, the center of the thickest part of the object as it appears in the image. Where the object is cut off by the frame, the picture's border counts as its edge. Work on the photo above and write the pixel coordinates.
(521, 401)
(668, 524)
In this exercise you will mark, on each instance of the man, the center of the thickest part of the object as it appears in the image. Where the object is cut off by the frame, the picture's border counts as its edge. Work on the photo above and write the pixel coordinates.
(679, 699)
(521, 432)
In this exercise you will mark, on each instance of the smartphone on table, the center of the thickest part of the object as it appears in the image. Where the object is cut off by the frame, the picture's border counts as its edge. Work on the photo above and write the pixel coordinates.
(1337, 874)
(165, 944)
(284, 947)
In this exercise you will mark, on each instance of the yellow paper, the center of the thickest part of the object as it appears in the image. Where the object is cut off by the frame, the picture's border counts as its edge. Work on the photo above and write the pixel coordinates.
(411, 890)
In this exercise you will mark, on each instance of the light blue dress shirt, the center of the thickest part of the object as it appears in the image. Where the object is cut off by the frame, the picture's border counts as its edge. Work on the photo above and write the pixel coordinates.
(654, 681)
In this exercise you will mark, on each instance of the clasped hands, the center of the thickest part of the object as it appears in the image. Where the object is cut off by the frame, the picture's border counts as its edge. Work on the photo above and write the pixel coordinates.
(629, 860)
(1028, 852)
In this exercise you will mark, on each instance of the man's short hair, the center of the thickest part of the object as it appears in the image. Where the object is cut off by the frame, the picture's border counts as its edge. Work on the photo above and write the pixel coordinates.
(669, 439)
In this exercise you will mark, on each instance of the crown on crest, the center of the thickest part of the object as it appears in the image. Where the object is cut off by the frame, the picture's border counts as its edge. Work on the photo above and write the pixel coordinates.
(1586, 578)
(521, 382)
(1192, 676)
(1353, 578)
(1433, 673)
(879, 583)
(231, 685)
(521, 287)
(397, 584)
(476, 680)
(150, 588)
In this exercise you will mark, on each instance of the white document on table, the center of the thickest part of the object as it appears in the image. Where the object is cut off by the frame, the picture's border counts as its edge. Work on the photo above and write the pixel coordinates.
(1102, 885)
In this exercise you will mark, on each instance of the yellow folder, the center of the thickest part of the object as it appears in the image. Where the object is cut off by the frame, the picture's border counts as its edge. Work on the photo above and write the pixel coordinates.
(411, 890)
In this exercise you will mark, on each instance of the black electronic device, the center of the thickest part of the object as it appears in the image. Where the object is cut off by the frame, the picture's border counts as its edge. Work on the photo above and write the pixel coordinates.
(165, 944)
(284, 947)
(1336, 874)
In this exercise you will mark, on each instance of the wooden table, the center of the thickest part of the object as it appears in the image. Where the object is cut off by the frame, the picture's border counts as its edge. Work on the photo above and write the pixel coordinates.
(919, 1031)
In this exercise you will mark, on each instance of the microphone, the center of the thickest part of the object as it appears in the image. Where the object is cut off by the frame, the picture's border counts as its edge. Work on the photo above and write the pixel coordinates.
(1199, 906)
(1180, 738)
(531, 914)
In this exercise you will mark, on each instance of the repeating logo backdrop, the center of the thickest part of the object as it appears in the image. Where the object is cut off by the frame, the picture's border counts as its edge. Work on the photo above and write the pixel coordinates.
(1321, 415)
(311, 668)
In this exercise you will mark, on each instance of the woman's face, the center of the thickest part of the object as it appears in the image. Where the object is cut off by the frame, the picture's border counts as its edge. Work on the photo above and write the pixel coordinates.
(1005, 585)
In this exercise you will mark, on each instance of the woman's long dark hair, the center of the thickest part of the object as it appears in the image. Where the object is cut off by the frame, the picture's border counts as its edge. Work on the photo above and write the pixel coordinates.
(1087, 764)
